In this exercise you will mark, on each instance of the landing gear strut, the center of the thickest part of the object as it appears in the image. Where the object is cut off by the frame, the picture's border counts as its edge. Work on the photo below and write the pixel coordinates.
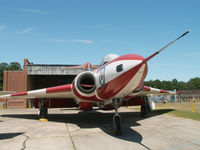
(42, 109)
(117, 118)
(145, 108)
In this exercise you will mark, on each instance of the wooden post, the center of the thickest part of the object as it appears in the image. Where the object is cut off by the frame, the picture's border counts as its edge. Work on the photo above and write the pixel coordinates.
(193, 104)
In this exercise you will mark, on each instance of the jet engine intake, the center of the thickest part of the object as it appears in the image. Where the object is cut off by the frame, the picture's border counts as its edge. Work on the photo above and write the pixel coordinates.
(86, 83)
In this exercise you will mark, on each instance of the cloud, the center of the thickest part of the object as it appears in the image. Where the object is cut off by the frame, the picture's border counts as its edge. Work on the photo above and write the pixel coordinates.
(70, 41)
(1, 27)
(33, 11)
(27, 30)
(84, 41)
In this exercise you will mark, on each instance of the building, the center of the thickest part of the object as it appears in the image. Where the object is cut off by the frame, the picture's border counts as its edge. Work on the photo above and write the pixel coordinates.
(37, 76)
(189, 95)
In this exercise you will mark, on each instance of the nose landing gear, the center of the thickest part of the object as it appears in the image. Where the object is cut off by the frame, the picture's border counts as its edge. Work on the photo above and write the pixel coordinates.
(116, 119)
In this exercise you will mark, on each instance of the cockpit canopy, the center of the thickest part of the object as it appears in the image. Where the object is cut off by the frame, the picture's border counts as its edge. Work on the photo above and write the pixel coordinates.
(108, 58)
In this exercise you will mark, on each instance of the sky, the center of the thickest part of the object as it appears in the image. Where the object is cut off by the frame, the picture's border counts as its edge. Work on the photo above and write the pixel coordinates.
(79, 31)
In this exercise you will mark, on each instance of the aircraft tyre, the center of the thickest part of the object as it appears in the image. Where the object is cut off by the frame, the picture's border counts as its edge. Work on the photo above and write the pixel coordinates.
(117, 125)
(43, 112)
(144, 110)
(148, 105)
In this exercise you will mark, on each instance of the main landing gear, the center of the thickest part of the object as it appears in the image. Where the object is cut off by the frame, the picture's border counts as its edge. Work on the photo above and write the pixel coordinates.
(117, 118)
(42, 110)
(146, 107)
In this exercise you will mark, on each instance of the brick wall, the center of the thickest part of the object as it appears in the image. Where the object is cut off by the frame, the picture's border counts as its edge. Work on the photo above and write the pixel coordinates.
(15, 81)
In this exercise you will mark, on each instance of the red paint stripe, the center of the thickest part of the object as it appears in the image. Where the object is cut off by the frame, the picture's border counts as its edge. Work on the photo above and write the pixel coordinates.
(128, 97)
(87, 66)
(91, 98)
(85, 106)
(147, 89)
(19, 94)
(117, 84)
(58, 89)
(129, 57)
(163, 91)
(148, 58)
(86, 85)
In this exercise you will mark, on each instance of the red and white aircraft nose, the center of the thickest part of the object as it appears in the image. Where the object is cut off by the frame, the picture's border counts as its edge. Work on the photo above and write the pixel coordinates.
(121, 76)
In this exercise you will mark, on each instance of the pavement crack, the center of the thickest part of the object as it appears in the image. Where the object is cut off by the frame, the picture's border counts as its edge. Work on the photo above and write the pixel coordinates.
(71, 138)
(24, 143)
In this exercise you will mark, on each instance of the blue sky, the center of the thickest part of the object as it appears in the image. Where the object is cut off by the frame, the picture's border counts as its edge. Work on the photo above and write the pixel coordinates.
(79, 31)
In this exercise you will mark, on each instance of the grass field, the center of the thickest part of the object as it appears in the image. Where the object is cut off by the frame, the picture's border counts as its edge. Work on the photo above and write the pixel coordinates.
(183, 109)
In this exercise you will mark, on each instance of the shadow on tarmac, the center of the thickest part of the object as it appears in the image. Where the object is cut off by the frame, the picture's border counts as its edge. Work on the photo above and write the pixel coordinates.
(95, 119)
(4, 136)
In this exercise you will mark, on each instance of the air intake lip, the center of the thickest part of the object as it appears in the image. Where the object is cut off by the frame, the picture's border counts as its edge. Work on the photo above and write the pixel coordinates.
(86, 83)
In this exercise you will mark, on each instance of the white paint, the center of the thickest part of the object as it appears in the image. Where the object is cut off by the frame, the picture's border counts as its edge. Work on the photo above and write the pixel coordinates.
(132, 84)
(110, 69)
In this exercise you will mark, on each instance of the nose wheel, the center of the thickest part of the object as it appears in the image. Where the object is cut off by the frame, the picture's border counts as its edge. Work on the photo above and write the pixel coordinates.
(116, 119)
(117, 125)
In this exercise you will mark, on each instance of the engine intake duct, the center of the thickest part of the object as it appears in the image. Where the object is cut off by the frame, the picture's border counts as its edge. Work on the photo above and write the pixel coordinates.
(86, 83)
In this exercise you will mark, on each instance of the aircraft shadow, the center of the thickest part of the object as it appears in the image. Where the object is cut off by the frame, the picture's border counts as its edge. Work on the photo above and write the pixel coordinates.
(95, 119)
(4, 136)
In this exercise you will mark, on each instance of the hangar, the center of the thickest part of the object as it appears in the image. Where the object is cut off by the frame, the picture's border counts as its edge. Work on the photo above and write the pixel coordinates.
(37, 76)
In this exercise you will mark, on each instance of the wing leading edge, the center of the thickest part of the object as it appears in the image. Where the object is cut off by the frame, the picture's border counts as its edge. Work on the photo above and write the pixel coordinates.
(151, 91)
(63, 91)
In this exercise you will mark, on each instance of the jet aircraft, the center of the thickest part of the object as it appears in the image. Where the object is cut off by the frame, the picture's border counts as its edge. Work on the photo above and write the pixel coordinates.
(118, 81)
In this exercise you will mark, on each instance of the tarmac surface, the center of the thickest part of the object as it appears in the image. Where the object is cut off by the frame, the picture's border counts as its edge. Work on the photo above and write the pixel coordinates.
(70, 129)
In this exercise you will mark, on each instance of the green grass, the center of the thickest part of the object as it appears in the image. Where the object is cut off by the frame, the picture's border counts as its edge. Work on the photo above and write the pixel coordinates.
(185, 114)
(183, 110)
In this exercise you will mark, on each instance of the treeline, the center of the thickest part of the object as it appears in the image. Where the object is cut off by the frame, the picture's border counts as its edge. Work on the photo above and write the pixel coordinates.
(13, 66)
(192, 84)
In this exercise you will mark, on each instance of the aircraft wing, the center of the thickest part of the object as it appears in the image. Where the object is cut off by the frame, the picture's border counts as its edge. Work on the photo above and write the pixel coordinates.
(6, 92)
(151, 91)
(63, 91)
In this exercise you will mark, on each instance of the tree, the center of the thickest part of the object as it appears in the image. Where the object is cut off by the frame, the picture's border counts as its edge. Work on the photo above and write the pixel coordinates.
(149, 83)
(182, 85)
(175, 84)
(15, 66)
(194, 84)
(158, 84)
(4, 66)
(1, 83)
(167, 85)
